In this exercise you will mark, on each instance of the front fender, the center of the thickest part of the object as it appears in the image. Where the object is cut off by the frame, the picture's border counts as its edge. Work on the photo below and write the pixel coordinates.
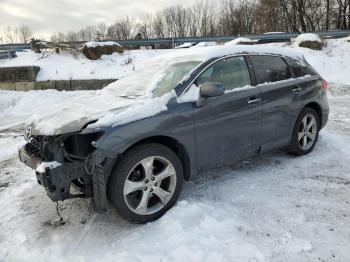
(176, 123)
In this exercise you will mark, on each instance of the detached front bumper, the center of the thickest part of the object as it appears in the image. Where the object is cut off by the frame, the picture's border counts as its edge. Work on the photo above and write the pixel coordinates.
(56, 180)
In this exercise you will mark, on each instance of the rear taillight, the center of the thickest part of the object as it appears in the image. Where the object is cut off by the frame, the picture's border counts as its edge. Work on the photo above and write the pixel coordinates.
(324, 84)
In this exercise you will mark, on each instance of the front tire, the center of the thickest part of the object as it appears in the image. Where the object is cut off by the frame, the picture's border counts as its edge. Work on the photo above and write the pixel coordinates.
(145, 183)
(305, 132)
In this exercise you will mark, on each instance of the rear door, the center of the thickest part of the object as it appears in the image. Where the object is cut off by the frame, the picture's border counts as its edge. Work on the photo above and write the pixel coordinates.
(280, 93)
(228, 127)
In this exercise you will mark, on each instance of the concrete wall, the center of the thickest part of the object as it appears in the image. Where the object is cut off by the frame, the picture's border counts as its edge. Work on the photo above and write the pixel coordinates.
(68, 85)
(24, 79)
(19, 74)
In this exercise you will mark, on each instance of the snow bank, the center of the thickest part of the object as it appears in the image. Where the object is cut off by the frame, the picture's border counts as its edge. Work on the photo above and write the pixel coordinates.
(309, 37)
(333, 63)
(65, 66)
(238, 41)
(9, 144)
(92, 44)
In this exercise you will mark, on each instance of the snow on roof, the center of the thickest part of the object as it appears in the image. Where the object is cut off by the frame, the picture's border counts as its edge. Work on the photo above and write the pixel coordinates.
(307, 37)
(216, 51)
(147, 74)
(238, 40)
(92, 44)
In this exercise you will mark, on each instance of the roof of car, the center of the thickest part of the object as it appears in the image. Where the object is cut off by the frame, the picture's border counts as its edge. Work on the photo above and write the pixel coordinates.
(205, 53)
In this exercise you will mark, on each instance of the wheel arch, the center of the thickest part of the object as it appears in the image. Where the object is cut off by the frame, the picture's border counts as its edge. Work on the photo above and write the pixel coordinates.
(170, 142)
(315, 106)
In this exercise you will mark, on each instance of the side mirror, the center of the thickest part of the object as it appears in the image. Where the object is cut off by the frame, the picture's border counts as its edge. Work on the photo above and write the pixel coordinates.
(211, 89)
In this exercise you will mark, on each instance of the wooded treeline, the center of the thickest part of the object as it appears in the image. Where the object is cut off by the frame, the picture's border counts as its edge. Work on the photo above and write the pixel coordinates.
(226, 17)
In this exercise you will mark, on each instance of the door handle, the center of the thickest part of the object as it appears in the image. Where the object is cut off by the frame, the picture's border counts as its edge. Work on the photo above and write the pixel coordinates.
(254, 100)
(297, 89)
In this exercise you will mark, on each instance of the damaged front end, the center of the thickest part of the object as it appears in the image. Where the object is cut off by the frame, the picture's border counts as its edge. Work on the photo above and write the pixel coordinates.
(64, 162)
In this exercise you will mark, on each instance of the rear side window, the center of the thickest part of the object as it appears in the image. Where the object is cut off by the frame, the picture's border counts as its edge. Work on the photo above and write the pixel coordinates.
(231, 72)
(297, 70)
(270, 69)
(300, 70)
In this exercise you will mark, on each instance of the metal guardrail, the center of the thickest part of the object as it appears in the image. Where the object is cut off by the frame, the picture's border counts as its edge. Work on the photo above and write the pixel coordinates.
(17, 47)
(263, 38)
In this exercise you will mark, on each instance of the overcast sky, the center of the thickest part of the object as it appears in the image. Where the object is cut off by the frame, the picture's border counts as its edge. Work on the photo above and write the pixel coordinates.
(49, 16)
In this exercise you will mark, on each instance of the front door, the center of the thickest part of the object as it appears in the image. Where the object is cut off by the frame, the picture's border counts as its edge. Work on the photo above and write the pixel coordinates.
(228, 127)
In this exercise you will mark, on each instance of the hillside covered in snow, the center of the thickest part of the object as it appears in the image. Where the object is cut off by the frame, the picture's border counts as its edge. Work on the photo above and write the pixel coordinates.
(331, 62)
(65, 66)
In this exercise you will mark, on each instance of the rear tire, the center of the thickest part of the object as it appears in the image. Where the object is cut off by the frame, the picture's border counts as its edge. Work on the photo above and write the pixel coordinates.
(305, 132)
(145, 183)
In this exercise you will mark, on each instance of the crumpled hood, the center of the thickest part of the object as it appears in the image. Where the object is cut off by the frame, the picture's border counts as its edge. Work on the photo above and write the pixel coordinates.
(98, 109)
(72, 115)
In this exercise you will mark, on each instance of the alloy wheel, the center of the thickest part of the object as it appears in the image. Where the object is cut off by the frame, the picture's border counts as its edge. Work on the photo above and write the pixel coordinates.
(149, 185)
(307, 132)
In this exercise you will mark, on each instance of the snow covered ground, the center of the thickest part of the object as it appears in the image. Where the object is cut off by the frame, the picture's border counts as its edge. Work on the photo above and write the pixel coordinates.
(64, 66)
(273, 208)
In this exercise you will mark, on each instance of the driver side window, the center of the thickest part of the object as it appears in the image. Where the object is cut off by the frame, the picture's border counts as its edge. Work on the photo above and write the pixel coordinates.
(230, 72)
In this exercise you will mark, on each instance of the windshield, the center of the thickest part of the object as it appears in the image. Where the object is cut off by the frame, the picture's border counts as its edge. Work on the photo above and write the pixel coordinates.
(154, 77)
(173, 75)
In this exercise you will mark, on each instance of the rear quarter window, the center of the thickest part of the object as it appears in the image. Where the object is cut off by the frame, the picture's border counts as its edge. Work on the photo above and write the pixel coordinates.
(299, 70)
(270, 68)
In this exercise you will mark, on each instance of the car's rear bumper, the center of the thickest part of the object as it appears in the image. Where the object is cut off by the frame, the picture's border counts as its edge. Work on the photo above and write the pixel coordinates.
(56, 180)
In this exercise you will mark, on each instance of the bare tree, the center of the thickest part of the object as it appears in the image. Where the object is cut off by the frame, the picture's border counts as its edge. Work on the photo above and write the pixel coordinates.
(102, 30)
(10, 35)
(71, 37)
(327, 14)
(24, 33)
(169, 14)
(209, 17)
(145, 26)
(121, 29)
(158, 25)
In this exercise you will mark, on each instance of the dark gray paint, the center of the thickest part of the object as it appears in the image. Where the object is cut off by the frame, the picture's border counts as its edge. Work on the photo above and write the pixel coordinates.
(216, 132)
(219, 130)
(225, 128)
